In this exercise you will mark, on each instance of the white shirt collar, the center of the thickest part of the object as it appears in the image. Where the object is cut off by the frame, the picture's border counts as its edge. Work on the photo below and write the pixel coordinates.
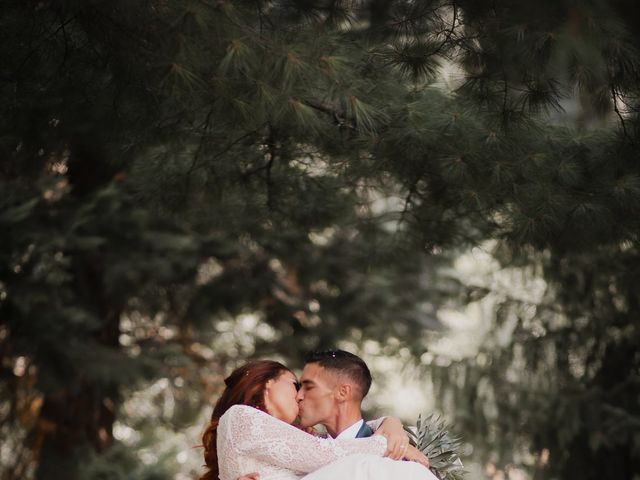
(352, 431)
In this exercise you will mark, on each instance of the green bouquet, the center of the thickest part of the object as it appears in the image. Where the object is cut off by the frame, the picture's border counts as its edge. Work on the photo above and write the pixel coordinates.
(431, 436)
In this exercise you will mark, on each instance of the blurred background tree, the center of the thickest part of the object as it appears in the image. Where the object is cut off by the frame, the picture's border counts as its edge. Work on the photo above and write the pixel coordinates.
(187, 184)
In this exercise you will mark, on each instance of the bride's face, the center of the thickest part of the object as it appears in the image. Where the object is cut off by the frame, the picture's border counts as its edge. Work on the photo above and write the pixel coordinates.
(280, 397)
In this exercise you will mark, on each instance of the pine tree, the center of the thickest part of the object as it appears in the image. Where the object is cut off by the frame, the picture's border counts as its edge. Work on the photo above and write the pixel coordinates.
(168, 165)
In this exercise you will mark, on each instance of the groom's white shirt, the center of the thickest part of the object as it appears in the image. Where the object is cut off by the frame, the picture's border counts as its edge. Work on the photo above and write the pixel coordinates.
(352, 431)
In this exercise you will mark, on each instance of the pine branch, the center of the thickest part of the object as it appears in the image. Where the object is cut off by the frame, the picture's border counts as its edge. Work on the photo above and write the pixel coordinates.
(44, 41)
(449, 33)
(339, 116)
(614, 96)
(408, 201)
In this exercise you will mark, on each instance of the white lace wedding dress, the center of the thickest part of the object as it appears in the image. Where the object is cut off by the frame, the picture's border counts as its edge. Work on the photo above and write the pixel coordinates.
(252, 441)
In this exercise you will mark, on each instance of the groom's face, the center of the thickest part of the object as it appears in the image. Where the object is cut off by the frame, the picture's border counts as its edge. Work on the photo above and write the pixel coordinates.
(316, 396)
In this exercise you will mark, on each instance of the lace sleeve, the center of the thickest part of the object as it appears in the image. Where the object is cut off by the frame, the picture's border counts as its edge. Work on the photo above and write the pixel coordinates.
(269, 440)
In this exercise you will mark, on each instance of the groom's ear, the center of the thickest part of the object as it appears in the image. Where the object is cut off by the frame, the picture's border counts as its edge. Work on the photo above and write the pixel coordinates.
(344, 392)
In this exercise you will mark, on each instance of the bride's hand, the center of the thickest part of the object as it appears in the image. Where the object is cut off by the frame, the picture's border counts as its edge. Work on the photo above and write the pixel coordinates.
(415, 455)
(250, 476)
(397, 439)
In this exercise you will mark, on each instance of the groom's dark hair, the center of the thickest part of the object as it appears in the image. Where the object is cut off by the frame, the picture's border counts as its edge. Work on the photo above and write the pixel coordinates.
(343, 363)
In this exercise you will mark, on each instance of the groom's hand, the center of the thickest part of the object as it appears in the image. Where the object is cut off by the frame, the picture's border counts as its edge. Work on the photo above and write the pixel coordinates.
(250, 476)
(397, 439)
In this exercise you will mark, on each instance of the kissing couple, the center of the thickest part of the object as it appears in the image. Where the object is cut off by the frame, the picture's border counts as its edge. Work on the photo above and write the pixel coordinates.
(253, 433)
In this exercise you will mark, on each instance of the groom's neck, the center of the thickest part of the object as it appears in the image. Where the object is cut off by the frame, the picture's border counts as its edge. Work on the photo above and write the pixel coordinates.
(347, 415)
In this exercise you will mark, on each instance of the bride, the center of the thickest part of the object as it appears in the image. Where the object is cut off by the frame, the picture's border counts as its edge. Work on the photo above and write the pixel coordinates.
(251, 431)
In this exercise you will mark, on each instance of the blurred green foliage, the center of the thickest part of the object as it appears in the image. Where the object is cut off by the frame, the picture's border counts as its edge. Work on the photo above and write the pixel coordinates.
(169, 169)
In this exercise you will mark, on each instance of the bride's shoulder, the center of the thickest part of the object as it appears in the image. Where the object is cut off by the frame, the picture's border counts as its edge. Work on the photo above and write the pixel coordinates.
(240, 412)
(240, 408)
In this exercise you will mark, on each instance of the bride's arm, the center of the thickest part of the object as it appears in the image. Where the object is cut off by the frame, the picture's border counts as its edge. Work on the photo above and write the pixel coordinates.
(397, 438)
(267, 439)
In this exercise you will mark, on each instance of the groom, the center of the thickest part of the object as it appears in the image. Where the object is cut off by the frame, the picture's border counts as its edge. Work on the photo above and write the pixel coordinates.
(333, 385)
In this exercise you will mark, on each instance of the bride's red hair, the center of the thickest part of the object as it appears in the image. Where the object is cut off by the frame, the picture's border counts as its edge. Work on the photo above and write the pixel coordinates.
(245, 386)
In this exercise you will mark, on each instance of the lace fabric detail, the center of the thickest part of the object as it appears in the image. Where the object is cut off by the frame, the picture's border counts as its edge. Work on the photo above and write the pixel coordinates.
(252, 441)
